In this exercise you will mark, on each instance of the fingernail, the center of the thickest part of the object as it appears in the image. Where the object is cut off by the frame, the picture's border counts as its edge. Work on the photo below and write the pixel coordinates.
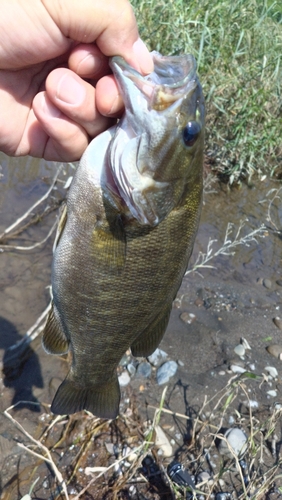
(143, 57)
(49, 109)
(90, 65)
(116, 105)
(70, 91)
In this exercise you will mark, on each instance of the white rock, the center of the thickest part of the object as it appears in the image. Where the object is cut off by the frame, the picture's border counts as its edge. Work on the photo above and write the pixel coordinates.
(251, 403)
(272, 394)
(237, 369)
(162, 442)
(124, 378)
(271, 370)
(240, 350)
(235, 439)
(245, 343)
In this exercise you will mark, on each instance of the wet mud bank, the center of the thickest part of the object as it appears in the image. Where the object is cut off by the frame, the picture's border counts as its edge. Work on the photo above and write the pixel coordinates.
(238, 297)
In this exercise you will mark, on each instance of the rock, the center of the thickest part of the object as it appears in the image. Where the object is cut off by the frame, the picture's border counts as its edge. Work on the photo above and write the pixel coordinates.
(199, 302)
(251, 403)
(275, 350)
(144, 369)
(267, 283)
(131, 369)
(278, 322)
(272, 394)
(236, 440)
(124, 378)
(279, 282)
(166, 371)
(124, 360)
(237, 369)
(187, 318)
(222, 495)
(245, 344)
(158, 357)
(162, 442)
(240, 350)
(271, 370)
(110, 448)
(203, 476)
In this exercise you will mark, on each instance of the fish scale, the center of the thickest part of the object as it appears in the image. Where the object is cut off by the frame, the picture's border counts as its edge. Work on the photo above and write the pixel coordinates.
(117, 267)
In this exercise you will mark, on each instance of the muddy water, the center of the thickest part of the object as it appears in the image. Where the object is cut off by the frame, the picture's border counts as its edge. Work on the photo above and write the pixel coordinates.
(228, 301)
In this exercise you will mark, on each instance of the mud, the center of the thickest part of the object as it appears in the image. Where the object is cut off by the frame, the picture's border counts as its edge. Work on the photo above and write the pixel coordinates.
(228, 301)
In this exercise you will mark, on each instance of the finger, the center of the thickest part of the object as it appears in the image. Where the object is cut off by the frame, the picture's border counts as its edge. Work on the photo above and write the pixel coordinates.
(88, 61)
(108, 98)
(65, 140)
(75, 98)
(109, 23)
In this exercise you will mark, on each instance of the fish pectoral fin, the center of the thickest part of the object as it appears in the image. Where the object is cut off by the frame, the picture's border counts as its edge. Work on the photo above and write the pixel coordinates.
(54, 340)
(109, 244)
(101, 400)
(148, 341)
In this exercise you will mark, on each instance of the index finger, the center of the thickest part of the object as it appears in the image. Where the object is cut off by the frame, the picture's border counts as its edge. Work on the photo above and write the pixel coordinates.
(111, 24)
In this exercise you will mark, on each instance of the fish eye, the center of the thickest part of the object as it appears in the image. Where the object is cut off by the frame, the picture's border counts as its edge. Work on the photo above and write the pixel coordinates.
(191, 133)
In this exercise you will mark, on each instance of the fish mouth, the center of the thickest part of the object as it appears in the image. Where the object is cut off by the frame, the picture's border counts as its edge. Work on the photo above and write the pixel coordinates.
(144, 155)
(166, 84)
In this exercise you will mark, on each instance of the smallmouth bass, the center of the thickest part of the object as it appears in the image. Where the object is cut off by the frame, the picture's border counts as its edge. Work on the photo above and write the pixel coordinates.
(127, 232)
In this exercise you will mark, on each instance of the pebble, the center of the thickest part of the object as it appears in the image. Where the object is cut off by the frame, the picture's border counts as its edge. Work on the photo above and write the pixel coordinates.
(236, 439)
(124, 378)
(267, 283)
(187, 318)
(279, 282)
(245, 344)
(124, 360)
(131, 369)
(199, 302)
(162, 442)
(203, 476)
(158, 357)
(240, 350)
(278, 322)
(223, 496)
(166, 371)
(271, 370)
(144, 369)
(110, 448)
(275, 350)
(272, 394)
(237, 369)
(251, 403)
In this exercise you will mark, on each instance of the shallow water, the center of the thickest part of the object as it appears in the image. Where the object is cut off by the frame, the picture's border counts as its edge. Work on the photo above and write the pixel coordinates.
(238, 303)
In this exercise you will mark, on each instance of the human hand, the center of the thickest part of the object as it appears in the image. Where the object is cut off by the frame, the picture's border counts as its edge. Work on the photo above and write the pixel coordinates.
(56, 92)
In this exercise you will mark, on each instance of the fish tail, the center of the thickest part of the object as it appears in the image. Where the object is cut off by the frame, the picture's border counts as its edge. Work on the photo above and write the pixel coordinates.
(102, 401)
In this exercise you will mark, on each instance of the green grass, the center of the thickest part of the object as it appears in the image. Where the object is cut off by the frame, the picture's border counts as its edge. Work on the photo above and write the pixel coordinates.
(238, 46)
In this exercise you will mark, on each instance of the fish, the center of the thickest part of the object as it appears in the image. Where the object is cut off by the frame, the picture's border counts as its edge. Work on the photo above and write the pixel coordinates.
(127, 232)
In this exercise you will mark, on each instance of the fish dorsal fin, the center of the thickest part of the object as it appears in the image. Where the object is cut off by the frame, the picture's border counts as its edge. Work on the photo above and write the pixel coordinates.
(148, 341)
(102, 401)
(109, 244)
(54, 340)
